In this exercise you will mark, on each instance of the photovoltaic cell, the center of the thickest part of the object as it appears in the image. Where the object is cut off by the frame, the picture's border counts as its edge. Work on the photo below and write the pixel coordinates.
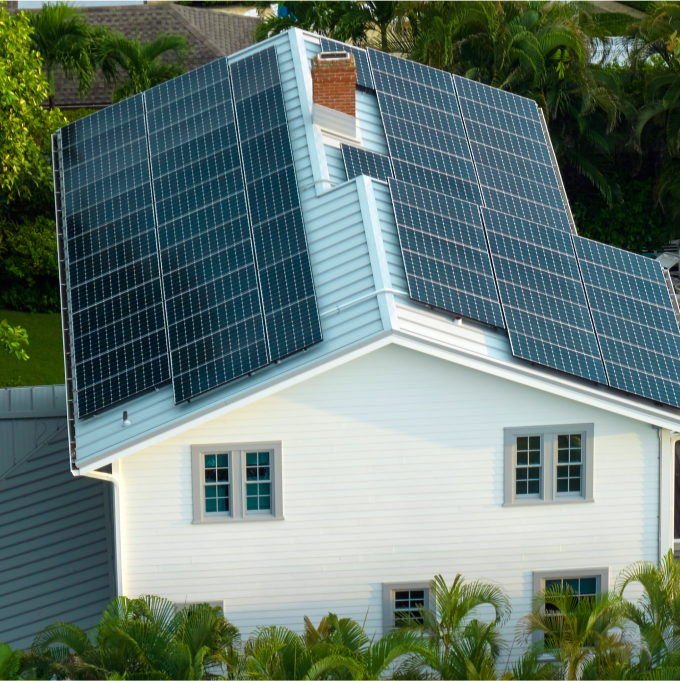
(214, 317)
(445, 254)
(361, 162)
(634, 319)
(117, 323)
(364, 78)
(542, 296)
(287, 288)
(512, 154)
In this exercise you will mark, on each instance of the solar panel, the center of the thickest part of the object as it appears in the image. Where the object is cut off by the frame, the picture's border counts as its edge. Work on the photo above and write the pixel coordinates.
(117, 324)
(634, 319)
(445, 254)
(287, 287)
(361, 162)
(542, 296)
(364, 78)
(214, 318)
(512, 155)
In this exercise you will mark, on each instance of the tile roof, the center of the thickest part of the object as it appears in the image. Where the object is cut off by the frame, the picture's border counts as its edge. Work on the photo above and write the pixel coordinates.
(210, 35)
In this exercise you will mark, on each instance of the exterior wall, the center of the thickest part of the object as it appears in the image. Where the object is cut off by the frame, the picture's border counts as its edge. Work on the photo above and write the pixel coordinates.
(393, 471)
(56, 531)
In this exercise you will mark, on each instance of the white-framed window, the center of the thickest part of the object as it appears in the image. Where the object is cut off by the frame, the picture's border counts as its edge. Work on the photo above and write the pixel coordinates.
(237, 482)
(402, 600)
(549, 464)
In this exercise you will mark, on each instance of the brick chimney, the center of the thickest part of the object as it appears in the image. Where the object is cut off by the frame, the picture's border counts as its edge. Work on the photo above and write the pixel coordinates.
(334, 76)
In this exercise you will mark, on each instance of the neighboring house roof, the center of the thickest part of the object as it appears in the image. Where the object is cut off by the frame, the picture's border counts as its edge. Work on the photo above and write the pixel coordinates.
(56, 531)
(210, 35)
(361, 292)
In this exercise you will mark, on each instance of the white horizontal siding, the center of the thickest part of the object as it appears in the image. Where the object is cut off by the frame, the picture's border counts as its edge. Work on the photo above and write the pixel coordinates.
(393, 470)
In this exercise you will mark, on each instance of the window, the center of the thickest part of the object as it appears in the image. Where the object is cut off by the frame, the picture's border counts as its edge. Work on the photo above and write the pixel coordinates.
(584, 583)
(237, 482)
(402, 600)
(549, 464)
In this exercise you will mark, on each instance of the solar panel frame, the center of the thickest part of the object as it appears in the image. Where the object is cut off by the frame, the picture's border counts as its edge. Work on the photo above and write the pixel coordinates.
(287, 289)
(117, 327)
(445, 253)
(541, 291)
(634, 318)
(359, 161)
(214, 316)
(364, 75)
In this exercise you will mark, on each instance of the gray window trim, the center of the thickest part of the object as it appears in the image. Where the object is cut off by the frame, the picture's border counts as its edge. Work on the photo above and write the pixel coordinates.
(548, 434)
(388, 589)
(237, 489)
(541, 576)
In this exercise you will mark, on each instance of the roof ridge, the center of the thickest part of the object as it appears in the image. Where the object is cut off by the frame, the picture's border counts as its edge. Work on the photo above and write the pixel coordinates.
(194, 30)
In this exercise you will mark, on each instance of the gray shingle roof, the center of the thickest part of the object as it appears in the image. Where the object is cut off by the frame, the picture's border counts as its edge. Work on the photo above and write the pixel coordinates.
(210, 35)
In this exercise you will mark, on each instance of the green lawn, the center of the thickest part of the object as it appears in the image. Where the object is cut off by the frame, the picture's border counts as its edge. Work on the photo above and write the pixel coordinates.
(46, 363)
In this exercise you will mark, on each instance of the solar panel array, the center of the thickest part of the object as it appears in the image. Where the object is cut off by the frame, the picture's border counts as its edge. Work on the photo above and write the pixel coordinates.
(185, 246)
(364, 77)
(440, 231)
(117, 324)
(361, 162)
(511, 153)
(543, 299)
(634, 319)
(215, 324)
(291, 315)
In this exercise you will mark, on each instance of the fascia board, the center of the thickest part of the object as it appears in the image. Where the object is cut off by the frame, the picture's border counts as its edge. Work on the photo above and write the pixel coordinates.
(533, 378)
(276, 385)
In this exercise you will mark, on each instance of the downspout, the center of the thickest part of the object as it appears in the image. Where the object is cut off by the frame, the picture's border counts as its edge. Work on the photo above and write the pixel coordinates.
(107, 477)
(675, 437)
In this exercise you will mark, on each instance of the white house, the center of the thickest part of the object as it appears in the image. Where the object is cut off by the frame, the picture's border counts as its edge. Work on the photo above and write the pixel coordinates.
(409, 442)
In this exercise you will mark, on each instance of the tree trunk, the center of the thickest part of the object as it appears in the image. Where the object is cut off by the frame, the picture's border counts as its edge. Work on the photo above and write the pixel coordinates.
(50, 85)
(383, 36)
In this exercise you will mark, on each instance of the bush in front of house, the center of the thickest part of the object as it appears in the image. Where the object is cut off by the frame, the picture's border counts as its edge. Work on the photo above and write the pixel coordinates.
(564, 637)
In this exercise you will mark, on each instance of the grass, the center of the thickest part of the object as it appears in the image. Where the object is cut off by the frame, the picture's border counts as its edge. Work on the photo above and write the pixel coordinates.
(45, 350)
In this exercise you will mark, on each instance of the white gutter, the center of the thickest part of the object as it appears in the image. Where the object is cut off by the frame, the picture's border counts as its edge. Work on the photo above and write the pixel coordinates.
(118, 527)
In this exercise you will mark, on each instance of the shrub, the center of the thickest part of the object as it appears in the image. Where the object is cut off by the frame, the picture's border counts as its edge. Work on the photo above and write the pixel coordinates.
(29, 274)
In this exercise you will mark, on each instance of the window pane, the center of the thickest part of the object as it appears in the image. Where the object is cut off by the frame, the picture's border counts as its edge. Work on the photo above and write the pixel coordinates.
(575, 441)
(563, 441)
(222, 474)
(265, 503)
(251, 503)
(210, 461)
(522, 443)
(223, 460)
(263, 473)
(222, 491)
(263, 458)
(264, 489)
(222, 505)
(251, 459)
(522, 458)
(562, 456)
(573, 584)
(210, 475)
(534, 487)
(521, 487)
(571, 453)
(528, 465)
(210, 505)
(562, 485)
(210, 491)
(588, 586)
(251, 490)
(535, 442)
(575, 485)
(251, 473)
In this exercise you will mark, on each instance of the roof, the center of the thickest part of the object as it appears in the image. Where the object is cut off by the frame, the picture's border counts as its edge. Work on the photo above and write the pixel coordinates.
(361, 290)
(210, 35)
(56, 534)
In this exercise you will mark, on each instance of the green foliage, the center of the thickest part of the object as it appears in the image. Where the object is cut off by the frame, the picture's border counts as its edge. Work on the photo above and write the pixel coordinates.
(10, 660)
(72, 115)
(64, 40)
(11, 338)
(24, 124)
(141, 64)
(29, 274)
(635, 224)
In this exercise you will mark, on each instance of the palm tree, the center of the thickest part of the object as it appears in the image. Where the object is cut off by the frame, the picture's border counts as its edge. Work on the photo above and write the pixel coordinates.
(578, 632)
(137, 638)
(657, 614)
(337, 648)
(318, 17)
(64, 40)
(455, 645)
(362, 18)
(141, 63)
